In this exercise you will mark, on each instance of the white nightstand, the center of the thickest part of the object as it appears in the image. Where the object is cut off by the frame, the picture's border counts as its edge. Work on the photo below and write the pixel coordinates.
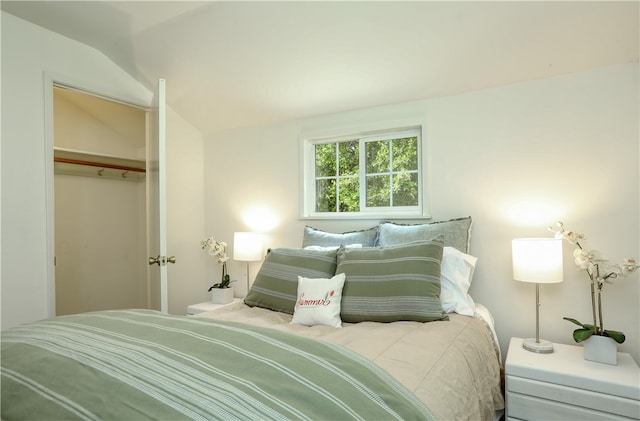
(564, 386)
(208, 306)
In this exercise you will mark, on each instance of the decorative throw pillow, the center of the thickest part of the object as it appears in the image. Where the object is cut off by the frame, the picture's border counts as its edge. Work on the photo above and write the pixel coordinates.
(455, 280)
(319, 301)
(457, 233)
(315, 237)
(393, 283)
(276, 283)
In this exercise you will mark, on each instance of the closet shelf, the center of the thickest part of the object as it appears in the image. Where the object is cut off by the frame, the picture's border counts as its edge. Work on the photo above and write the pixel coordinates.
(72, 162)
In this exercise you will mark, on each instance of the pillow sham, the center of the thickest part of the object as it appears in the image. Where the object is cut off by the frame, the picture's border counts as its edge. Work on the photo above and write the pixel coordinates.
(316, 237)
(319, 301)
(349, 246)
(455, 280)
(276, 283)
(456, 232)
(388, 284)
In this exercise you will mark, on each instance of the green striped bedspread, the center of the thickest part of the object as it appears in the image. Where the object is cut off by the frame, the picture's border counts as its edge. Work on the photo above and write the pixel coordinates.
(141, 364)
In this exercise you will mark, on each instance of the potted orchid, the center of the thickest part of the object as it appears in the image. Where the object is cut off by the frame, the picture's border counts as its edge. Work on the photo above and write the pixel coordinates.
(222, 292)
(600, 272)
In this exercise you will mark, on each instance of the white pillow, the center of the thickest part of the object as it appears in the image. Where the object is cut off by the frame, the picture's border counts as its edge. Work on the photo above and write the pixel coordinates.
(318, 301)
(455, 280)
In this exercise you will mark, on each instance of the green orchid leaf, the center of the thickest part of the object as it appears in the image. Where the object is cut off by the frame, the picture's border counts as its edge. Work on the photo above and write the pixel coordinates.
(574, 321)
(580, 335)
(616, 336)
(583, 325)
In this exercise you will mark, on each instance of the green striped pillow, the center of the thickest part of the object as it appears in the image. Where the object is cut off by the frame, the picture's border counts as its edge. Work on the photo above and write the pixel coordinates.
(276, 284)
(388, 284)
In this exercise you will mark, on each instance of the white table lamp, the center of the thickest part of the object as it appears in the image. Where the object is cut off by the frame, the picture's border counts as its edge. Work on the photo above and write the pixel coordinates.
(247, 247)
(537, 260)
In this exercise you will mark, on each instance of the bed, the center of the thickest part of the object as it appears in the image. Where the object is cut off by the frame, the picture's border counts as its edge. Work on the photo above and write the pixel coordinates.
(363, 330)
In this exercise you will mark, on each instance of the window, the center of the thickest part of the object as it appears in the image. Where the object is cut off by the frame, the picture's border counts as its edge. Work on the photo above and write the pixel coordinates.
(362, 175)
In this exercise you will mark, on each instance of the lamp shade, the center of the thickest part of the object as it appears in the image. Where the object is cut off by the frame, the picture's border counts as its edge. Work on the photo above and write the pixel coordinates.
(537, 260)
(247, 246)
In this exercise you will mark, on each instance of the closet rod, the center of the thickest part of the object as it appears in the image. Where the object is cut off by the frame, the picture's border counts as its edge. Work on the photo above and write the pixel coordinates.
(97, 164)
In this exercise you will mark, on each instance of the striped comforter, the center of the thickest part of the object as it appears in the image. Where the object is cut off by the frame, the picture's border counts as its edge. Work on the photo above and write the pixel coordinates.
(126, 365)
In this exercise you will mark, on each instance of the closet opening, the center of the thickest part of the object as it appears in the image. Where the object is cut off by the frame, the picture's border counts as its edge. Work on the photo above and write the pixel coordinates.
(100, 203)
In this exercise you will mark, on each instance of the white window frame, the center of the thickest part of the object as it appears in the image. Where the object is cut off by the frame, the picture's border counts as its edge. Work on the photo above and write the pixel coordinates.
(308, 185)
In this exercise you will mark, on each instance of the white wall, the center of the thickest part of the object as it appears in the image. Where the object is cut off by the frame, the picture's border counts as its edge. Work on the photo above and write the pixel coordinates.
(516, 158)
(29, 51)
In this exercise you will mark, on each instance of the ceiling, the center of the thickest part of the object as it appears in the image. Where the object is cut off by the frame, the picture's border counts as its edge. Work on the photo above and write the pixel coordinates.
(232, 64)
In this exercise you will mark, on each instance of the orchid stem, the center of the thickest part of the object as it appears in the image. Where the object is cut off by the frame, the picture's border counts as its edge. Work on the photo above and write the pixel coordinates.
(593, 306)
(600, 309)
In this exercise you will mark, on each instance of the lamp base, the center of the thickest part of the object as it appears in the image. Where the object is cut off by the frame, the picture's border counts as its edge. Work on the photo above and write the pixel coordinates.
(538, 346)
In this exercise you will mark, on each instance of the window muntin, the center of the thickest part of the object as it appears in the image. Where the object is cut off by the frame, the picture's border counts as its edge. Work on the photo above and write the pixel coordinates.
(372, 173)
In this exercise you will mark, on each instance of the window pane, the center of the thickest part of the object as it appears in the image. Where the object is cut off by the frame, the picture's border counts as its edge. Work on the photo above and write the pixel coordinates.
(326, 195)
(405, 154)
(378, 191)
(325, 160)
(348, 153)
(349, 194)
(377, 156)
(371, 174)
(405, 189)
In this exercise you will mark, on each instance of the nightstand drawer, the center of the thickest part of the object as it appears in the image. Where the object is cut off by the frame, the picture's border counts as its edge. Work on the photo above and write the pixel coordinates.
(525, 407)
(558, 396)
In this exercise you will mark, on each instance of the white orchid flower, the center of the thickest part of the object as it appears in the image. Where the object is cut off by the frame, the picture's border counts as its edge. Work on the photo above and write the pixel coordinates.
(600, 272)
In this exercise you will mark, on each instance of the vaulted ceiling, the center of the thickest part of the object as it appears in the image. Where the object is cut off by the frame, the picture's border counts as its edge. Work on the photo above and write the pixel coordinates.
(231, 64)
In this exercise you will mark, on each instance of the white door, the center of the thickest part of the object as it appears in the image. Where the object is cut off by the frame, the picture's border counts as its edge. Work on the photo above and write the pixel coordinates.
(157, 203)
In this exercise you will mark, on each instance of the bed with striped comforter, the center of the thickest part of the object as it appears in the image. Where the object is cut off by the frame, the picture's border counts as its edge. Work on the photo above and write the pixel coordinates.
(141, 364)
(452, 366)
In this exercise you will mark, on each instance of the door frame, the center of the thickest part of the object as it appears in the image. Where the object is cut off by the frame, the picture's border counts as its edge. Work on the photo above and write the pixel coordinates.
(51, 80)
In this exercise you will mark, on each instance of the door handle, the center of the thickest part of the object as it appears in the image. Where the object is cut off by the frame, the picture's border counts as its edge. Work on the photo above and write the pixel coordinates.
(162, 260)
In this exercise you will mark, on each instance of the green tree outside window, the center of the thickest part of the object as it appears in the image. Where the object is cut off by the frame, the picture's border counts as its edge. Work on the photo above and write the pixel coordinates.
(390, 179)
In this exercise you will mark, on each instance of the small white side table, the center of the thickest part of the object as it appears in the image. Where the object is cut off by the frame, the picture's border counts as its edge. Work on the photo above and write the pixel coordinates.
(565, 386)
(194, 309)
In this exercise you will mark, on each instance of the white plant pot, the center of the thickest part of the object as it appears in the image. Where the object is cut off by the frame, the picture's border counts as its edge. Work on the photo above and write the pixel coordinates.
(601, 349)
(221, 295)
